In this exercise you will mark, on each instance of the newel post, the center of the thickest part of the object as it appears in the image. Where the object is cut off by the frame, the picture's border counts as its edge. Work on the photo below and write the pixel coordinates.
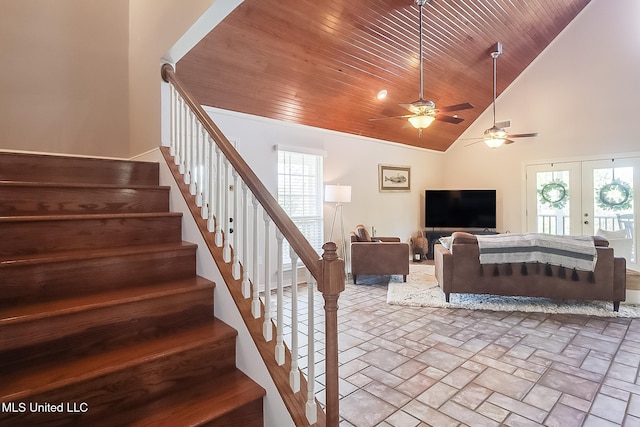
(331, 285)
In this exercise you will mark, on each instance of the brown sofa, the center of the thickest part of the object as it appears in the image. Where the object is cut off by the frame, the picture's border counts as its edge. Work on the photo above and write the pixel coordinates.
(458, 270)
(378, 256)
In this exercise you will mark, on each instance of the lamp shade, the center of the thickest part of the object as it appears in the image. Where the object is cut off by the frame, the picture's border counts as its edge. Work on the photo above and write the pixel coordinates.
(337, 193)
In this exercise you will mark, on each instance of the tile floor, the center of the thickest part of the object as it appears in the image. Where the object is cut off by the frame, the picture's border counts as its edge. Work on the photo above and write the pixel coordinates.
(410, 366)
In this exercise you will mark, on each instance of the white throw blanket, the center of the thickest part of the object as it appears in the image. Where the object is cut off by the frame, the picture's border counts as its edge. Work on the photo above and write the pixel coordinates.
(577, 252)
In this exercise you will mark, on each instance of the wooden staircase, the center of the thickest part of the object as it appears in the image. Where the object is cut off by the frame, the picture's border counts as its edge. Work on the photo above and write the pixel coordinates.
(103, 320)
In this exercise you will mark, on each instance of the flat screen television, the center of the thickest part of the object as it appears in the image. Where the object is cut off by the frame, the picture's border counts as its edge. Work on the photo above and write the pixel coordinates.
(460, 208)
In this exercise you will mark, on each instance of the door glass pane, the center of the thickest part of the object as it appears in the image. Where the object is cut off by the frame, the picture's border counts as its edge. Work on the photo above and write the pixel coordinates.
(613, 209)
(553, 203)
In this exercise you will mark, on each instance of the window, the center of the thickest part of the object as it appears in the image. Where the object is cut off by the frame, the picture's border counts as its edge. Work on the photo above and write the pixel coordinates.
(300, 194)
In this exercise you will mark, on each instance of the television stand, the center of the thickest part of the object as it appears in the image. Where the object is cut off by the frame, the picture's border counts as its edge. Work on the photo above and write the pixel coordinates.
(433, 235)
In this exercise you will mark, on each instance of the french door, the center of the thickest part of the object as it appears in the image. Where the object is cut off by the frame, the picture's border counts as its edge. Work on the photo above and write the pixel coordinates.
(587, 198)
(554, 198)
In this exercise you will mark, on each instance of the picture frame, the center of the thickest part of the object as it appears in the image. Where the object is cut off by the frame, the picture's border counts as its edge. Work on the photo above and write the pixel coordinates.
(393, 178)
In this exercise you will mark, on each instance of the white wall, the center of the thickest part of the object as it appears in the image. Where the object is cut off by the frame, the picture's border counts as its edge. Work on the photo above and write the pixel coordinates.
(350, 160)
(64, 79)
(248, 359)
(155, 26)
(581, 94)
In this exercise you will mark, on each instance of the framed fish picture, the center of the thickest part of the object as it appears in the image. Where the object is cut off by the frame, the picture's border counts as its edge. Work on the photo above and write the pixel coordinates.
(394, 178)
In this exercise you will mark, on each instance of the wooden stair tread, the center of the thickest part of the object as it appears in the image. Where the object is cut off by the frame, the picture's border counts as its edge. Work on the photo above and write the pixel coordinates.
(100, 300)
(27, 382)
(76, 217)
(80, 185)
(84, 254)
(42, 310)
(193, 405)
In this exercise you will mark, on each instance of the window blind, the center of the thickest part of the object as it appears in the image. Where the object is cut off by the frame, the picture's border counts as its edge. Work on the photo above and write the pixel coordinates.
(300, 194)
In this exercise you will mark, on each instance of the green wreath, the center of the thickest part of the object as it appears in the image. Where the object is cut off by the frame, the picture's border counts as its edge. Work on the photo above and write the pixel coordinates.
(615, 196)
(554, 194)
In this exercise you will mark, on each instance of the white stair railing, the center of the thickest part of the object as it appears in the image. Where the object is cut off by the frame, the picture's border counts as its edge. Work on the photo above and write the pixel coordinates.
(231, 199)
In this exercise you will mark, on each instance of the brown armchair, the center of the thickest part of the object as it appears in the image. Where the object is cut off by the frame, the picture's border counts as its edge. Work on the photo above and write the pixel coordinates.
(378, 256)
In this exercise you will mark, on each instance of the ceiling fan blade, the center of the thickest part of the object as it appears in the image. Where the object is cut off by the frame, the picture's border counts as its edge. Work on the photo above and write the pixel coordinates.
(456, 107)
(508, 141)
(473, 143)
(522, 135)
(449, 119)
(393, 117)
(409, 107)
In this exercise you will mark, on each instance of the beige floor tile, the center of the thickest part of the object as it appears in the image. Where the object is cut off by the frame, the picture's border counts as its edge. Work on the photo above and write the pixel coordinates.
(437, 395)
(634, 405)
(542, 397)
(363, 409)
(384, 359)
(388, 394)
(402, 419)
(416, 385)
(420, 366)
(504, 383)
(515, 420)
(492, 411)
(472, 396)
(428, 415)
(515, 406)
(409, 369)
(609, 408)
(459, 378)
(565, 416)
(565, 383)
(466, 415)
(441, 360)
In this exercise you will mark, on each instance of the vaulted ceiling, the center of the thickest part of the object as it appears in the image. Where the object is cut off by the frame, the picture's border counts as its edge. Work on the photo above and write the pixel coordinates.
(322, 63)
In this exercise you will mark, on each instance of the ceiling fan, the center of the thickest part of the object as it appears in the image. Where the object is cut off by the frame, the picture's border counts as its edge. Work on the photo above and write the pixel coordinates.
(496, 135)
(424, 112)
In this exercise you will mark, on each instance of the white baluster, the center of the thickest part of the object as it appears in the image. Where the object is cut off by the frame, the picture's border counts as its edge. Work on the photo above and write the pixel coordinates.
(246, 284)
(267, 330)
(185, 134)
(219, 191)
(174, 129)
(294, 374)
(280, 306)
(186, 156)
(311, 410)
(193, 151)
(198, 166)
(213, 184)
(179, 125)
(255, 302)
(193, 154)
(204, 192)
(226, 249)
(235, 267)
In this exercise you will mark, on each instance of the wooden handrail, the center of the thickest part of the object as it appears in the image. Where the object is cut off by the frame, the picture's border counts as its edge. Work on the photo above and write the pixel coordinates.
(296, 239)
(328, 271)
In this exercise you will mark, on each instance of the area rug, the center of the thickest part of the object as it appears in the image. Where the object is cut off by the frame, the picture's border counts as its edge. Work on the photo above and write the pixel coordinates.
(422, 290)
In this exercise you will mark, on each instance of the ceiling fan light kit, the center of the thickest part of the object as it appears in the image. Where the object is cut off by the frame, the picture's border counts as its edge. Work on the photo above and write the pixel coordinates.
(423, 111)
(496, 135)
(421, 121)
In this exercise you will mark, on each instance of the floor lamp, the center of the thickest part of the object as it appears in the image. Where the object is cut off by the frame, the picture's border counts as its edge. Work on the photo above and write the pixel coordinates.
(339, 194)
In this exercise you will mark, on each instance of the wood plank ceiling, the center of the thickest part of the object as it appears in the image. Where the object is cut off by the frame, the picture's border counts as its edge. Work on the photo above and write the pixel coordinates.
(321, 63)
